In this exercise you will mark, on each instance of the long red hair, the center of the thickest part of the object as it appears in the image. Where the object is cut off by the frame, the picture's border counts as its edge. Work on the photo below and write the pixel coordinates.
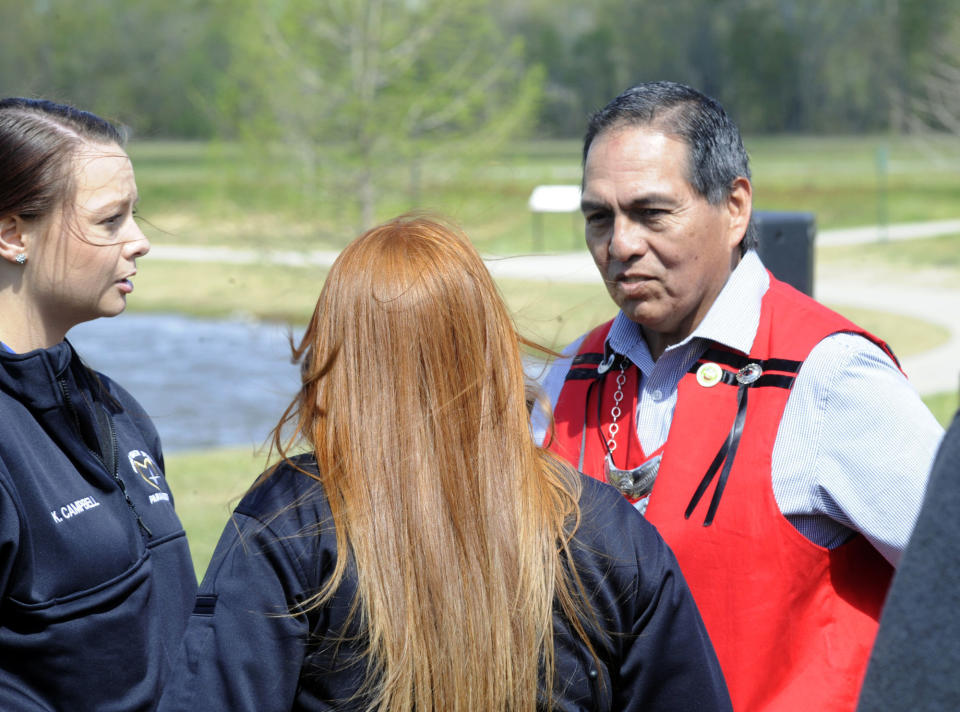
(413, 401)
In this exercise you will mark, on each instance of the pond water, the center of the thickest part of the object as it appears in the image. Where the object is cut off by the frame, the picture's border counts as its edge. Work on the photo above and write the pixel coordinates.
(206, 383)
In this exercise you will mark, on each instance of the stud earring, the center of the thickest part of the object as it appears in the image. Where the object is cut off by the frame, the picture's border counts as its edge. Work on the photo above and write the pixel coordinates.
(21, 258)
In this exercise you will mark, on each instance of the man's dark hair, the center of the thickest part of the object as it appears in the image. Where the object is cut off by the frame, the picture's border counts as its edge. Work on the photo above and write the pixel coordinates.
(716, 153)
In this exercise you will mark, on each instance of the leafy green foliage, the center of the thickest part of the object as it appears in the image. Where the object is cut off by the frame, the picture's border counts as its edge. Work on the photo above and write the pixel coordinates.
(144, 64)
(345, 92)
(359, 75)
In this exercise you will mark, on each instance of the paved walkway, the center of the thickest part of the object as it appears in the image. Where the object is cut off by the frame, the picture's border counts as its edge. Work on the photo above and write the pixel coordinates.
(934, 371)
(899, 231)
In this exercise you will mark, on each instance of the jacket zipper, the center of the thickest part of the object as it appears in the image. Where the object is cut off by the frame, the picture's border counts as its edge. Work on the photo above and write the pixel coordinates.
(144, 529)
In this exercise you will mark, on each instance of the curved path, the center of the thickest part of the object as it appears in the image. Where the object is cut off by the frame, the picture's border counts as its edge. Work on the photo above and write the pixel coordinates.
(933, 371)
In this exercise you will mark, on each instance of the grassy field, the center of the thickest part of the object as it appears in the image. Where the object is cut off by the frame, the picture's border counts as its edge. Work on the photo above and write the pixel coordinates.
(215, 195)
(206, 486)
(927, 256)
(848, 181)
(549, 313)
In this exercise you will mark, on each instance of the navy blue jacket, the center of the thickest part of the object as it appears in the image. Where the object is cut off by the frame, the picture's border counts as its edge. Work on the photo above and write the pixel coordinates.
(95, 572)
(243, 652)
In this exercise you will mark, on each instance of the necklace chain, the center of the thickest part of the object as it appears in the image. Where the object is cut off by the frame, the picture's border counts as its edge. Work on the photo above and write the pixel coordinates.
(615, 411)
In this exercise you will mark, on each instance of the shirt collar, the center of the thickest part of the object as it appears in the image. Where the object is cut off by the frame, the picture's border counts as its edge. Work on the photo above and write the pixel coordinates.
(732, 320)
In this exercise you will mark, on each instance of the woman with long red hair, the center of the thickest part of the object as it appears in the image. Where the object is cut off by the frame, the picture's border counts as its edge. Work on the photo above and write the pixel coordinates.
(425, 554)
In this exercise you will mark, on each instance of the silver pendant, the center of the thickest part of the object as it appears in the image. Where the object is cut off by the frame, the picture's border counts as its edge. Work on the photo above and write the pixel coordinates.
(636, 482)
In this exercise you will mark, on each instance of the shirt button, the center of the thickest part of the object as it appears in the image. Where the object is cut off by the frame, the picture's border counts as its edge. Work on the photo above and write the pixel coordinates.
(657, 394)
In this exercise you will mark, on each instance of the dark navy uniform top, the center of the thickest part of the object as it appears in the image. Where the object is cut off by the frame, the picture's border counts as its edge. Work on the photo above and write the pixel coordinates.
(243, 651)
(95, 573)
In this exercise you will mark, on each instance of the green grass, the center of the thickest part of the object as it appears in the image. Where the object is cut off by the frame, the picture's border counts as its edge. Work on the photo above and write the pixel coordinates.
(199, 193)
(554, 314)
(549, 313)
(943, 406)
(263, 291)
(941, 253)
(839, 178)
(206, 486)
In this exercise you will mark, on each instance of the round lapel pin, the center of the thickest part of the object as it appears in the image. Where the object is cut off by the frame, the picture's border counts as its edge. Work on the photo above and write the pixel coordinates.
(709, 374)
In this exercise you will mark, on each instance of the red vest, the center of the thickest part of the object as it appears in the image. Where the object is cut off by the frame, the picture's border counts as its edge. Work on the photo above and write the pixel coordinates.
(792, 622)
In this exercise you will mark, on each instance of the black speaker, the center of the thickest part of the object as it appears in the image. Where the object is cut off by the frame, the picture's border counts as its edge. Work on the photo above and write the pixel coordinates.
(786, 246)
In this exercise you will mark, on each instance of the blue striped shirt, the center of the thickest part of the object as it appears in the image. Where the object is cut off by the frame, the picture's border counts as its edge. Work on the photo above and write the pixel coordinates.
(855, 444)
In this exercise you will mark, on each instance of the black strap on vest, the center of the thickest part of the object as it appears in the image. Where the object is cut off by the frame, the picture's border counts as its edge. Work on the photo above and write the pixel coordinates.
(728, 450)
(738, 361)
(725, 455)
(584, 367)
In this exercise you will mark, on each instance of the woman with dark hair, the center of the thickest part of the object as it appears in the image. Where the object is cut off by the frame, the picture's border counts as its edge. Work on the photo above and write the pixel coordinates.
(95, 573)
(425, 553)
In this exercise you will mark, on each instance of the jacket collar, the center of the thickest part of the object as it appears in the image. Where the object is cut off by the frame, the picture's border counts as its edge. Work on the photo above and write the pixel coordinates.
(32, 377)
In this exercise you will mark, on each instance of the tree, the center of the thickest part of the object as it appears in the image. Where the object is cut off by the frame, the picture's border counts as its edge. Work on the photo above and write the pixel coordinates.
(925, 66)
(144, 64)
(357, 87)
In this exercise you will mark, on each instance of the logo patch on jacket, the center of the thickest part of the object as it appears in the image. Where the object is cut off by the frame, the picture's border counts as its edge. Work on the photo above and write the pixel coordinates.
(143, 465)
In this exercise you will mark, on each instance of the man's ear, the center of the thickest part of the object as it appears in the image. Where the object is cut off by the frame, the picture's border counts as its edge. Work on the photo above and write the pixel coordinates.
(739, 208)
(11, 237)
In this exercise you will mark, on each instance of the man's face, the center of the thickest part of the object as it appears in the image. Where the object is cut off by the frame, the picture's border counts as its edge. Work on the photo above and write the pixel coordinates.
(663, 251)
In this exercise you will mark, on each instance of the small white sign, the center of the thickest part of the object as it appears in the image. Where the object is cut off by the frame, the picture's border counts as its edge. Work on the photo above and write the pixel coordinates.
(555, 199)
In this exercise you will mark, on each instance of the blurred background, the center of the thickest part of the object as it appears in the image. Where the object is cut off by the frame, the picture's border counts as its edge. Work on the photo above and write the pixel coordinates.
(270, 132)
(311, 120)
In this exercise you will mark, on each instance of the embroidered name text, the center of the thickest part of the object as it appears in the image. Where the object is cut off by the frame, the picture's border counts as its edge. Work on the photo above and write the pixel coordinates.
(73, 508)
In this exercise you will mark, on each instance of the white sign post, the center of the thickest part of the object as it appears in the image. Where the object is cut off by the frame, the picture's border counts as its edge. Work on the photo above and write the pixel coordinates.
(551, 199)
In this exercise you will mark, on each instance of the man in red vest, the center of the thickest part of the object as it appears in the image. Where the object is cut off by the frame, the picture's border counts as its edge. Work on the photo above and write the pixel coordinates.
(777, 446)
